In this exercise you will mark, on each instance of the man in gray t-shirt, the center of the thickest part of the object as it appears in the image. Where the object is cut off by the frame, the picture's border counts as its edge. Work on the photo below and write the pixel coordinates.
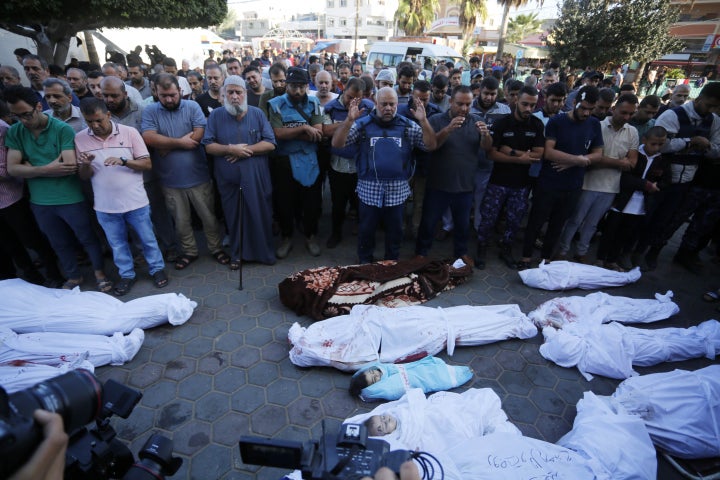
(462, 140)
(173, 128)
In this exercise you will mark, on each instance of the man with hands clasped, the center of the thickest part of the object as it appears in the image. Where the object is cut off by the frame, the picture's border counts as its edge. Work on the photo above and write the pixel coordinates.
(462, 142)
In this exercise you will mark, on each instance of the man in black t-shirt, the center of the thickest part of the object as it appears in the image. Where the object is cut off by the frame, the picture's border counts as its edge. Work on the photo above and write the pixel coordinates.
(518, 142)
(210, 100)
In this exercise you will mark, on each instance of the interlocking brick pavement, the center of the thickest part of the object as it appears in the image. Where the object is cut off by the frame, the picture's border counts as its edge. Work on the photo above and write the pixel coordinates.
(226, 372)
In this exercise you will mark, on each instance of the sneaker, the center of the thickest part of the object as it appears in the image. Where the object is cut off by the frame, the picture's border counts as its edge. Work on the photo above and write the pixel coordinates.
(333, 241)
(505, 254)
(481, 256)
(284, 249)
(312, 246)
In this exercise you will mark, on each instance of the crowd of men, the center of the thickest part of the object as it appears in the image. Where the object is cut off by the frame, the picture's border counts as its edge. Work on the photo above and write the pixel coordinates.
(243, 148)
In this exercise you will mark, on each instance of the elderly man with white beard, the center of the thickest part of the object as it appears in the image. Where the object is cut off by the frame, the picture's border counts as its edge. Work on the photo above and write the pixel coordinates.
(239, 136)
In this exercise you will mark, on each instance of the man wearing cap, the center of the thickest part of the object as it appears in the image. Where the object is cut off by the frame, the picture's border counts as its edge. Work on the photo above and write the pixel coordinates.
(384, 165)
(239, 136)
(384, 78)
(296, 119)
(591, 78)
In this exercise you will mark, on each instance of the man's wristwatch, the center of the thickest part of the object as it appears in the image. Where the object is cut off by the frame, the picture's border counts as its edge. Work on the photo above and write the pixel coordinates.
(513, 153)
(124, 161)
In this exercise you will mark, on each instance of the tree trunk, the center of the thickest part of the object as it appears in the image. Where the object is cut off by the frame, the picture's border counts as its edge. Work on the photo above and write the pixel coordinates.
(90, 47)
(503, 32)
(62, 47)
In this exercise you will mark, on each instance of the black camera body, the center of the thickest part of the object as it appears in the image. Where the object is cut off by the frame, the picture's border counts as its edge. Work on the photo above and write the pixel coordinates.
(92, 453)
(349, 454)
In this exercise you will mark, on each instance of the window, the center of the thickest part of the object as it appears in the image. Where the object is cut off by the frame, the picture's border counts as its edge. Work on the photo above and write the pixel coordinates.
(330, 3)
(343, 23)
(331, 22)
(250, 25)
(343, 3)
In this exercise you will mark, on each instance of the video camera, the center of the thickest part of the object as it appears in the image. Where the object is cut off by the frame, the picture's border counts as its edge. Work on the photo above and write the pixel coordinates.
(93, 453)
(349, 454)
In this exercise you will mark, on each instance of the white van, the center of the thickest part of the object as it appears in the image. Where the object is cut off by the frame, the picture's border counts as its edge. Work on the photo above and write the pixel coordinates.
(429, 54)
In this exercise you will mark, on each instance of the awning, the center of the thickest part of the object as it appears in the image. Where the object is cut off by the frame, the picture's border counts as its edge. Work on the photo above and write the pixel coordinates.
(324, 45)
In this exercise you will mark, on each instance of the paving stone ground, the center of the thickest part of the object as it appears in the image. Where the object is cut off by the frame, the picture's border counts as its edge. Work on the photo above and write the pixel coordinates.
(226, 372)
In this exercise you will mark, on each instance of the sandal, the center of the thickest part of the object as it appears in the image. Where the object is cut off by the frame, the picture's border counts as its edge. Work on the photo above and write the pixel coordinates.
(103, 285)
(221, 257)
(184, 261)
(235, 265)
(71, 283)
(124, 286)
(160, 279)
(712, 296)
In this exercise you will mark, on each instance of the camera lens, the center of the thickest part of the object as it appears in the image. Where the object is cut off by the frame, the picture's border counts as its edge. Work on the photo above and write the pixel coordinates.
(76, 396)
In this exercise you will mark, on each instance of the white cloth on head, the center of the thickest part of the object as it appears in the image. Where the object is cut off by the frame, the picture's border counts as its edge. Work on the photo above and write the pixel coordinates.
(32, 308)
(599, 307)
(612, 349)
(394, 335)
(680, 409)
(563, 275)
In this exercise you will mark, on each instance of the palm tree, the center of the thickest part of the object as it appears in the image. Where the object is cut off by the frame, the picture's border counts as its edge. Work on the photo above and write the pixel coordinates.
(414, 16)
(469, 11)
(522, 26)
(507, 4)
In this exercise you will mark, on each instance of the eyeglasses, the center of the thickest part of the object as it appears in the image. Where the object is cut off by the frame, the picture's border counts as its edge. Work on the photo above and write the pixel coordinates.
(23, 116)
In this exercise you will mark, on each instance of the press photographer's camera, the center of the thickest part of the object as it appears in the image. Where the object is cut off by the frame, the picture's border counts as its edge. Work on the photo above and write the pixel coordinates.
(349, 454)
(93, 453)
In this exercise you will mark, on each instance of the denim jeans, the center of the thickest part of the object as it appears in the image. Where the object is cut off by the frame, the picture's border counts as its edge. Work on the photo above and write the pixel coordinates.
(436, 202)
(369, 218)
(115, 226)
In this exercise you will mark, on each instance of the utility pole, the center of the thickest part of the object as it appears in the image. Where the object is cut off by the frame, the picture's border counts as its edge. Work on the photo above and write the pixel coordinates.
(357, 21)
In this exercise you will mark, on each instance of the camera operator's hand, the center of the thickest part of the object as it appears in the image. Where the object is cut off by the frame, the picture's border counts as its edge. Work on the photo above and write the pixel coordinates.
(48, 461)
(408, 471)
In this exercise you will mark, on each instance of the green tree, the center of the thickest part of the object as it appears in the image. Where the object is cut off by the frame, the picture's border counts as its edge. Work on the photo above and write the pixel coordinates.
(227, 28)
(507, 5)
(51, 24)
(600, 32)
(469, 11)
(523, 26)
(414, 16)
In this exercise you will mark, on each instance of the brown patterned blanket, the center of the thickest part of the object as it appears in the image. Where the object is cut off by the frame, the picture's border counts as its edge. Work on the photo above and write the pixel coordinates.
(326, 292)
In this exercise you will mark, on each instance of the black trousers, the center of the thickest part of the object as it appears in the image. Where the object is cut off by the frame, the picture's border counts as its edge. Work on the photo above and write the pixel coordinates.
(291, 195)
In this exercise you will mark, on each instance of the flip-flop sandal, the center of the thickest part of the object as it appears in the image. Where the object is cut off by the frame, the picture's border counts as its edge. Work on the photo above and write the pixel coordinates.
(72, 283)
(221, 257)
(103, 285)
(124, 286)
(160, 279)
(184, 261)
(712, 297)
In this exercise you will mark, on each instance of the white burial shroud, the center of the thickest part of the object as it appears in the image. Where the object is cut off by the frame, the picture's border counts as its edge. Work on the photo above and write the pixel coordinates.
(30, 308)
(563, 275)
(394, 335)
(681, 409)
(599, 307)
(612, 349)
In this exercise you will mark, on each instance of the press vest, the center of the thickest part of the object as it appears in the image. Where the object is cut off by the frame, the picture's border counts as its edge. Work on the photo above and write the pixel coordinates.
(385, 150)
(338, 113)
(684, 165)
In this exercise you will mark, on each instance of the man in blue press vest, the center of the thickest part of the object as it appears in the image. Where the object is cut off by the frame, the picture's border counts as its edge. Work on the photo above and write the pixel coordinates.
(297, 120)
(385, 164)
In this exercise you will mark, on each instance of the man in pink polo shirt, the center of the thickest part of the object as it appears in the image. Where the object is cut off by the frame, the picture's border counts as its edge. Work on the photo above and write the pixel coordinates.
(114, 156)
